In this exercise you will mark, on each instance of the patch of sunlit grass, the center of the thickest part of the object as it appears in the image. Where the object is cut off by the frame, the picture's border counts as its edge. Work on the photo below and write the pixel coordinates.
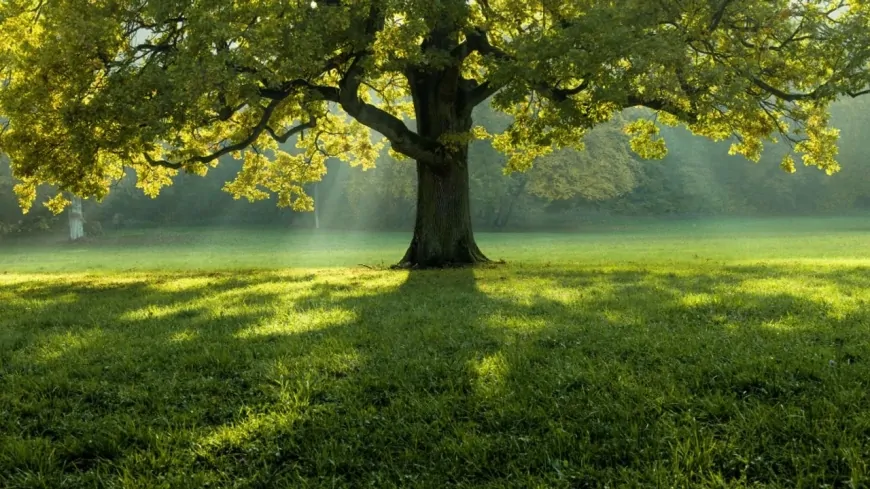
(299, 322)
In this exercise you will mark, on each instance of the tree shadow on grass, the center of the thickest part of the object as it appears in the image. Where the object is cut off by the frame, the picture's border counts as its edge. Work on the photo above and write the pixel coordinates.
(503, 377)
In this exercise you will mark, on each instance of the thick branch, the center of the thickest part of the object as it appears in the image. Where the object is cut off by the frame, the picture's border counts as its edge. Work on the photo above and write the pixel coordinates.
(462, 51)
(282, 138)
(717, 16)
(561, 94)
(664, 106)
(477, 40)
(402, 139)
(262, 125)
(481, 92)
(346, 95)
(783, 95)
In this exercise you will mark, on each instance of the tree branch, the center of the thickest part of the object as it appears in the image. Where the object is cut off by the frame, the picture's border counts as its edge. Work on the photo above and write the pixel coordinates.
(662, 105)
(481, 92)
(262, 125)
(462, 51)
(164, 163)
(783, 95)
(477, 40)
(792, 141)
(282, 138)
(402, 139)
(561, 94)
(346, 95)
(717, 16)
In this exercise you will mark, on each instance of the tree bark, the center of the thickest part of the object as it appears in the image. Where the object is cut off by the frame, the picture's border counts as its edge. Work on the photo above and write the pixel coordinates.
(76, 220)
(443, 236)
(442, 229)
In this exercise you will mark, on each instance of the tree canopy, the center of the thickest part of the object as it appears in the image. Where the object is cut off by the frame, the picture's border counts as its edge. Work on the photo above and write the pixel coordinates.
(167, 85)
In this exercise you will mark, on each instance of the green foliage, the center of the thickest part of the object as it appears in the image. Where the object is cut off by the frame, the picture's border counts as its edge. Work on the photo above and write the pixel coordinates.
(603, 169)
(644, 140)
(12, 221)
(719, 373)
(94, 89)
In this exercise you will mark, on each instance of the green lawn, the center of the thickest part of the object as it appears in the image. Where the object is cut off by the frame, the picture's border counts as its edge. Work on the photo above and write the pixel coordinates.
(841, 240)
(726, 354)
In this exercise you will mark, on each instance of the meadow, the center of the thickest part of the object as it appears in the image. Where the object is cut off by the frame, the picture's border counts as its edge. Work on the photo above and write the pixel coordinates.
(686, 354)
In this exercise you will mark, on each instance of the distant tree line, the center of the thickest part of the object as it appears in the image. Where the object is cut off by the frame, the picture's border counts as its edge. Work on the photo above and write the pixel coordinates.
(564, 190)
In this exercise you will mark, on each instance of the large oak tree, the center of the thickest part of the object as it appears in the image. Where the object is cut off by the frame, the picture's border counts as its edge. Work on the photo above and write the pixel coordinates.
(92, 86)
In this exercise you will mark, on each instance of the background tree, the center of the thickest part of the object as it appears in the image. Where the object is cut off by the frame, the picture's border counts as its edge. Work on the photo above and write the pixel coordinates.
(603, 170)
(76, 219)
(851, 188)
(8, 221)
(161, 86)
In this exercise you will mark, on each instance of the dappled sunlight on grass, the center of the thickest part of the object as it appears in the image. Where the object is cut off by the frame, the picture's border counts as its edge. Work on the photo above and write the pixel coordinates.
(622, 317)
(644, 374)
(491, 371)
(54, 346)
(514, 323)
(182, 336)
(154, 312)
(785, 324)
(189, 282)
(699, 299)
(298, 322)
(236, 439)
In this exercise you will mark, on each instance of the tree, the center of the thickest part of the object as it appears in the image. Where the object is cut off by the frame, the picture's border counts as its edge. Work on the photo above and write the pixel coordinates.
(164, 86)
(851, 187)
(604, 170)
(76, 219)
(7, 225)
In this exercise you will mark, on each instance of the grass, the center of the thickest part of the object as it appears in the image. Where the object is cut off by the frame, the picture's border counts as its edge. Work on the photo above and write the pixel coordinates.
(730, 356)
(841, 240)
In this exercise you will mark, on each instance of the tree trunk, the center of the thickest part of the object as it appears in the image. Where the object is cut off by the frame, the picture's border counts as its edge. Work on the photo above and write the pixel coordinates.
(502, 219)
(316, 215)
(442, 230)
(442, 226)
(76, 220)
